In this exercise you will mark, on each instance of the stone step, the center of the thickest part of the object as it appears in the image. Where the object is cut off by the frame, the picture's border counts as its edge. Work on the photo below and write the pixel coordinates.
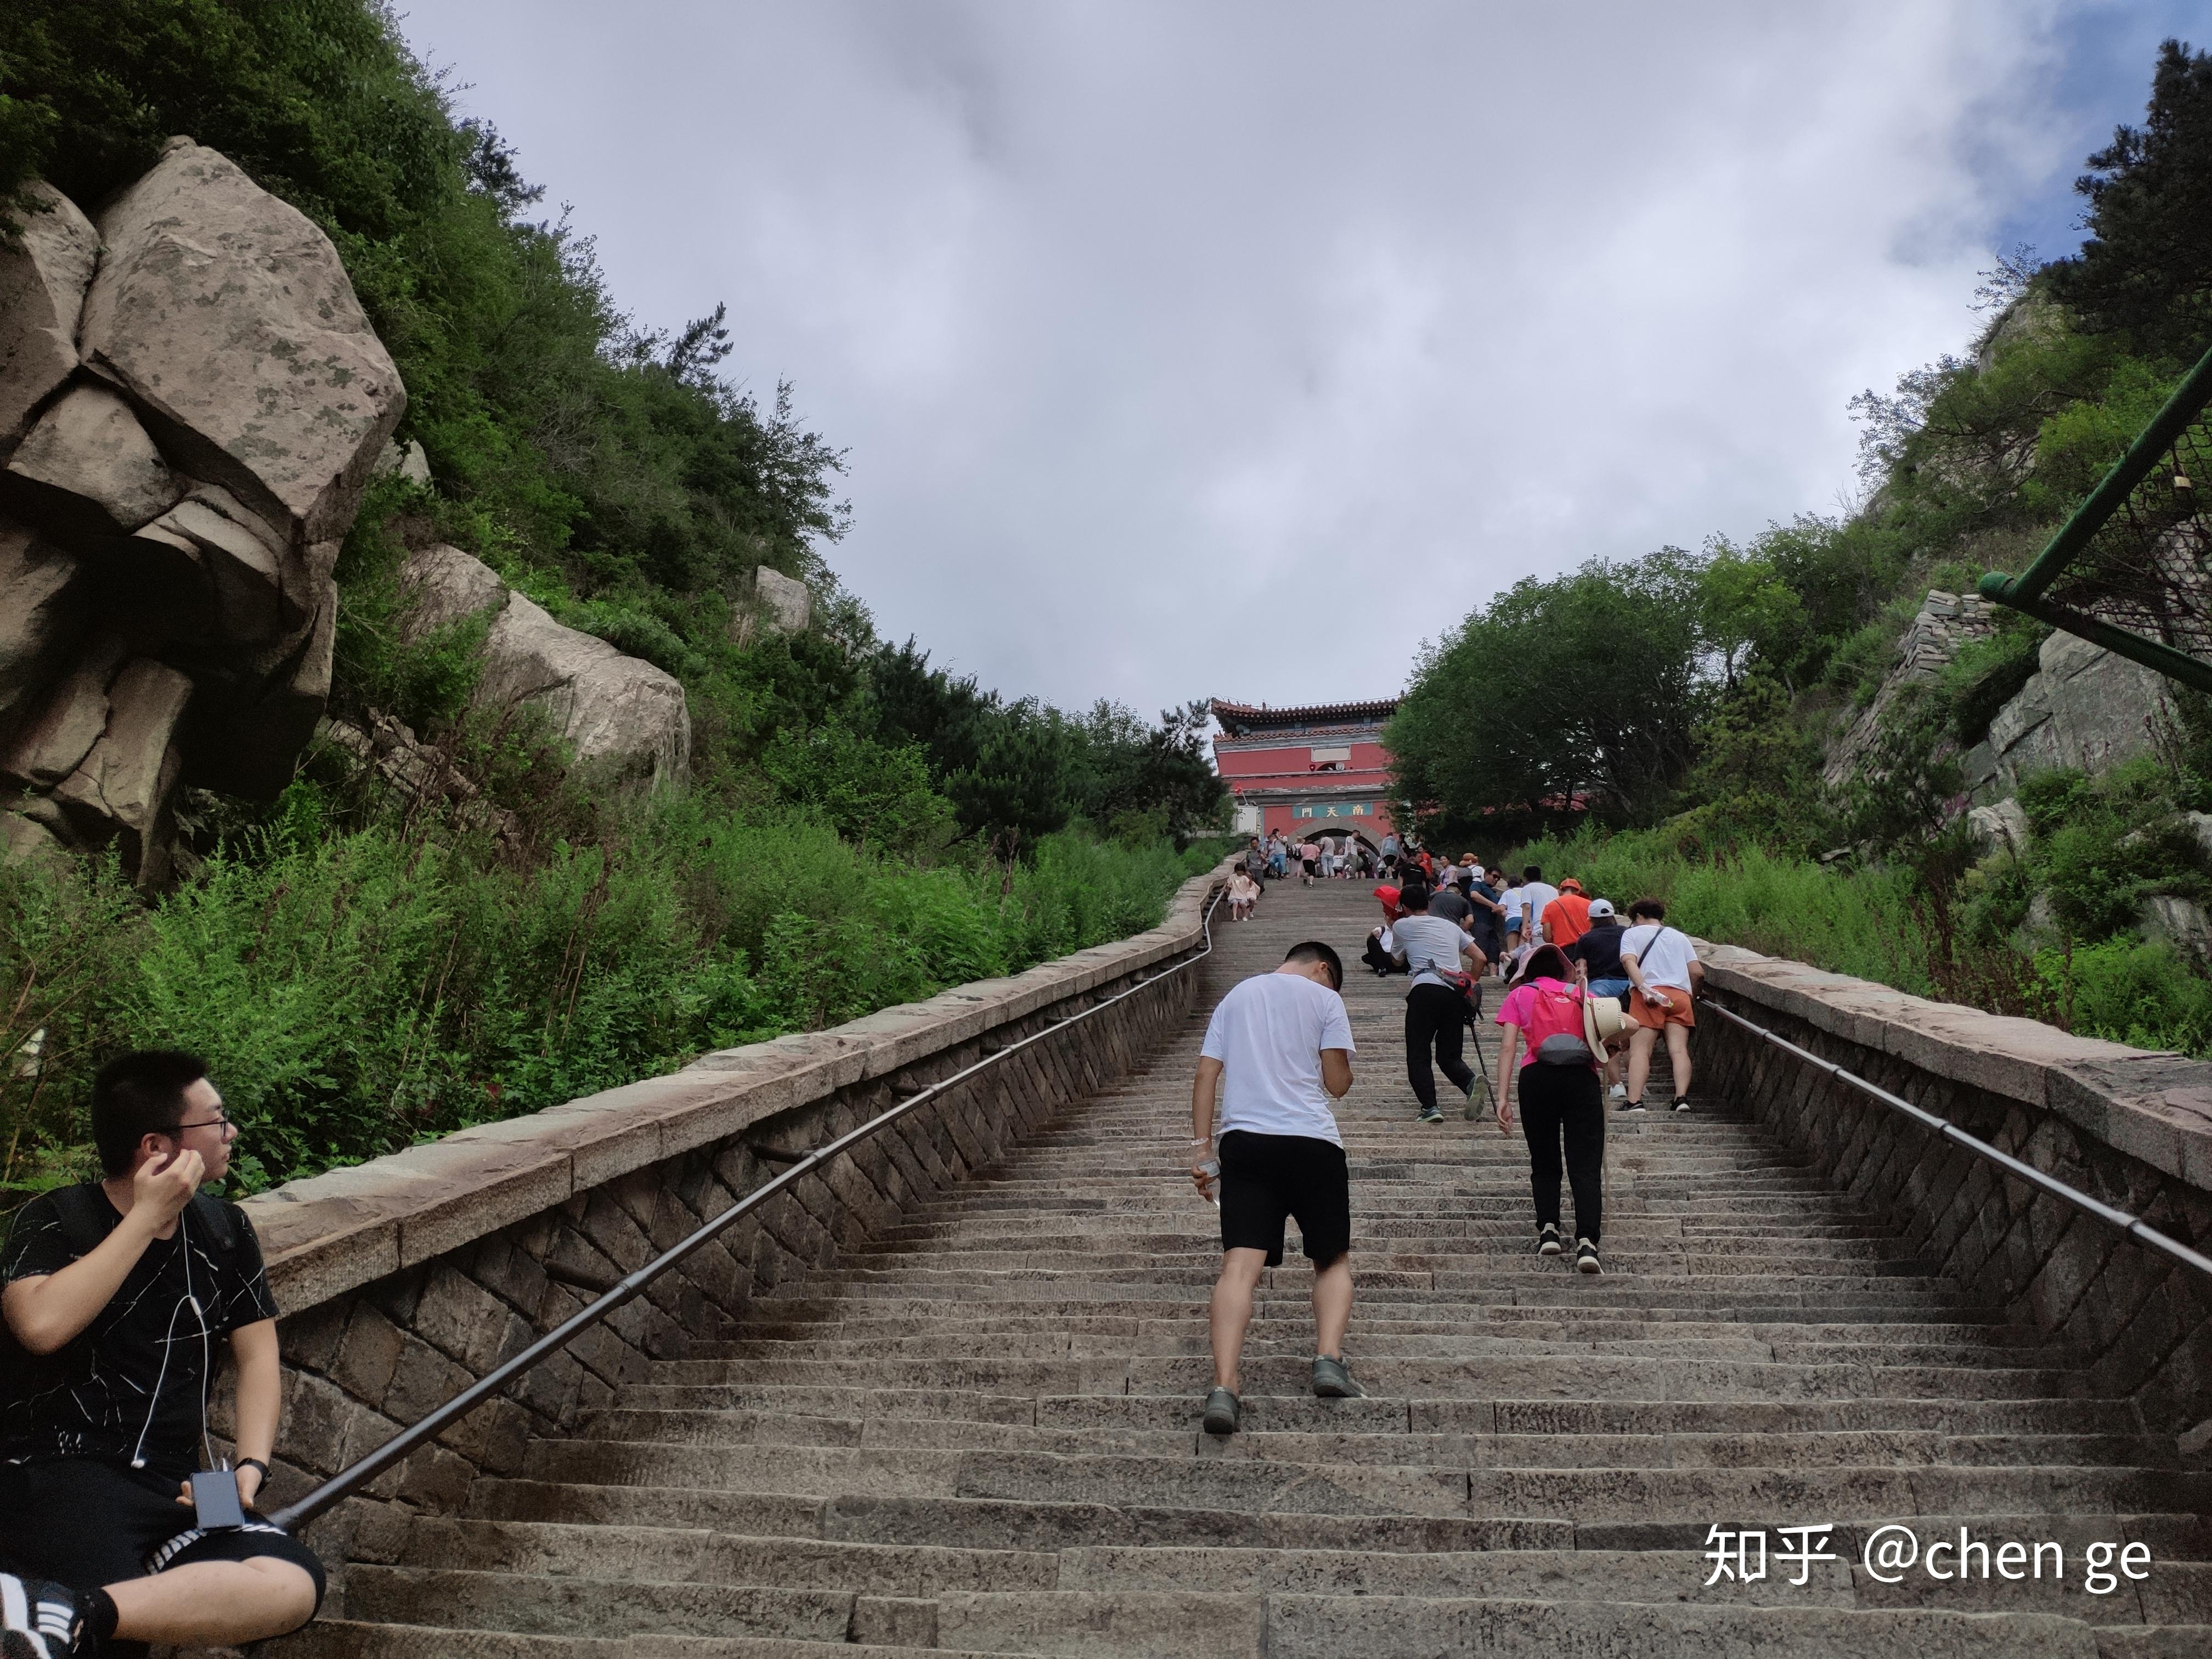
(1799, 1449)
(1285, 1486)
(346, 1638)
(1299, 1411)
(624, 1553)
(1743, 1346)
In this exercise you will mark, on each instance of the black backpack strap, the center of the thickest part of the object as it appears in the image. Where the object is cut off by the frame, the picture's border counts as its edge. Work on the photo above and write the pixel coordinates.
(83, 1210)
(215, 1220)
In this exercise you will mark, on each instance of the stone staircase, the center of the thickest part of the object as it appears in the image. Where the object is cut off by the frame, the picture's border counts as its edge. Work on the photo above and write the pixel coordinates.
(980, 1434)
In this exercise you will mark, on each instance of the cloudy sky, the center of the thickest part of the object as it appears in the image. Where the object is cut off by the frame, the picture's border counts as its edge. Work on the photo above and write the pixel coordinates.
(1205, 348)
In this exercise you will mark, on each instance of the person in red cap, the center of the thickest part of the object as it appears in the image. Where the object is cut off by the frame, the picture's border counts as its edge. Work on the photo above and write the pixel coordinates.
(1379, 942)
(1566, 918)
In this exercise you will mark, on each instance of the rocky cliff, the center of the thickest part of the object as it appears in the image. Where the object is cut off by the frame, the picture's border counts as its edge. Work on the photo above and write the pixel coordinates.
(192, 400)
(191, 403)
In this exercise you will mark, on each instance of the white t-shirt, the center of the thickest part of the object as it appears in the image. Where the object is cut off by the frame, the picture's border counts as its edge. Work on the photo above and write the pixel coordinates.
(1663, 953)
(1269, 1033)
(1534, 895)
(1430, 943)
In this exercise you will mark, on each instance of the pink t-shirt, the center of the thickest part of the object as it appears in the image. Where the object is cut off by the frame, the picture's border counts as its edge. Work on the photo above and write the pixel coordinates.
(1541, 1008)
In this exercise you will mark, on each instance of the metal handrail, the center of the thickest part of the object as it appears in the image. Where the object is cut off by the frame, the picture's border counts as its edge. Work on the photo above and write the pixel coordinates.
(352, 1478)
(2134, 1226)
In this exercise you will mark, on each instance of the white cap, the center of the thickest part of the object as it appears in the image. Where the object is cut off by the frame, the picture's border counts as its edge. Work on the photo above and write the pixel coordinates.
(1600, 908)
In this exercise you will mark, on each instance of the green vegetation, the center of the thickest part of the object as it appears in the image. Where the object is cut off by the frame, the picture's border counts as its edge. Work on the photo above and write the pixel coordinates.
(365, 968)
(1661, 724)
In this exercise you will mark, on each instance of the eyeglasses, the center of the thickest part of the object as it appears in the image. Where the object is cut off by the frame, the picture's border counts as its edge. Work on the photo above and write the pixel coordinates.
(221, 1119)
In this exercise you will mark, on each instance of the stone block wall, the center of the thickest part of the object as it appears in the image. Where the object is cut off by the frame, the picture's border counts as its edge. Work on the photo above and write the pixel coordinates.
(403, 1280)
(2131, 1128)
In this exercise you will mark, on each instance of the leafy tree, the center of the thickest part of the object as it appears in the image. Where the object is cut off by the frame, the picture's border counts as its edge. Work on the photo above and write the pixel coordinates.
(1017, 792)
(1585, 687)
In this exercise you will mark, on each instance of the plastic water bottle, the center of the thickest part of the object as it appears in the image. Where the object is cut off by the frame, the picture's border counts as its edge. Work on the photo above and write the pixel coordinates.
(1212, 1188)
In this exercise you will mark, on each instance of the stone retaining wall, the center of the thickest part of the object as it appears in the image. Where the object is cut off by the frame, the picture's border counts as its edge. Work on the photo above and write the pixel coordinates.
(2130, 1128)
(405, 1278)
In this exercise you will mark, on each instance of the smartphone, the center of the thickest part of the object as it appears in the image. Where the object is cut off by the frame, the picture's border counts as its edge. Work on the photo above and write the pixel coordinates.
(215, 1501)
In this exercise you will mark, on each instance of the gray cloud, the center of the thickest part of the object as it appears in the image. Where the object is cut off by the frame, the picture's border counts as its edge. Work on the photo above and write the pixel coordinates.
(1233, 350)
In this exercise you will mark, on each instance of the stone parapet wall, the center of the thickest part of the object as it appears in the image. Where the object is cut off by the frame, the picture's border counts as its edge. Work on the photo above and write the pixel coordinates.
(2129, 1127)
(405, 1279)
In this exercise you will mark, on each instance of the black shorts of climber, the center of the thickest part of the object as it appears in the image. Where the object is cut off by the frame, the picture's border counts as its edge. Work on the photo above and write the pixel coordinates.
(83, 1521)
(1267, 1179)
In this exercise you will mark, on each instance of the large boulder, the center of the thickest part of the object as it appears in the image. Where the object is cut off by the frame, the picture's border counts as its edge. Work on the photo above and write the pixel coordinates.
(621, 715)
(2083, 708)
(121, 789)
(43, 279)
(88, 469)
(788, 602)
(227, 316)
(42, 610)
(191, 402)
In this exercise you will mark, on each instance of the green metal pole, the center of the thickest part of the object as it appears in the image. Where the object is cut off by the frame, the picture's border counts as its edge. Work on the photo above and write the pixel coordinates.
(2174, 664)
(2152, 441)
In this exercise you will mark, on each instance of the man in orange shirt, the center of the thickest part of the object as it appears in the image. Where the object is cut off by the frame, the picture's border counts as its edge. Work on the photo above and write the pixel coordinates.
(1566, 918)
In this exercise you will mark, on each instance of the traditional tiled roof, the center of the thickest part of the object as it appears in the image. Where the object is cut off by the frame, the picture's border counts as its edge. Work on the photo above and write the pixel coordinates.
(1232, 714)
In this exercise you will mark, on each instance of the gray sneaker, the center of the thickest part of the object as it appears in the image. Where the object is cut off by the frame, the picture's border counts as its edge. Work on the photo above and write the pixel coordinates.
(1223, 1412)
(1331, 1380)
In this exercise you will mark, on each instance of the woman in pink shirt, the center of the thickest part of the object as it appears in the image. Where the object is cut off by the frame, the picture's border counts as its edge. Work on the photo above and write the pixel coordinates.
(1561, 1100)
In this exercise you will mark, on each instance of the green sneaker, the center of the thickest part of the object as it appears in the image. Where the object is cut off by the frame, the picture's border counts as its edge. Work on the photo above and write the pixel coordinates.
(1331, 1380)
(1223, 1412)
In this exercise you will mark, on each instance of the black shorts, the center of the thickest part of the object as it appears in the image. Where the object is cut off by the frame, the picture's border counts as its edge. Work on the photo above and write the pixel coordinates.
(83, 1521)
(1266, 1178)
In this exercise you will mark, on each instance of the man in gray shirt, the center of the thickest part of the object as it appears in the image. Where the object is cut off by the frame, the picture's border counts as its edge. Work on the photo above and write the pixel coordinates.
(1432, 947)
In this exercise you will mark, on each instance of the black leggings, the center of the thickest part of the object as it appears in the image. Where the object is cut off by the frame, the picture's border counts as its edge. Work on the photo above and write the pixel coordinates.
(1564, 1103)
(1435, 1016)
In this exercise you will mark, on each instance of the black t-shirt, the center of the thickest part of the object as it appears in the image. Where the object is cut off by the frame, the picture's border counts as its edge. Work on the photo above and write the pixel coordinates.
(1599, 950)
(94, 1397)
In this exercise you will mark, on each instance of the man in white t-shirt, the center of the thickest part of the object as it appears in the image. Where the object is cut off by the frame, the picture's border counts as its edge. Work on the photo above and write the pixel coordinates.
(1532, 896)
(1663, 972)
(1279, 1048)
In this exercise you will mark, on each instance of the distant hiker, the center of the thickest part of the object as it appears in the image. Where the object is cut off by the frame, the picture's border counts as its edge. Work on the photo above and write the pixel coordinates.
(1381, 942)
(1486, 919)
(1566, 916)
(1278, 855)
(1243, 894)
(121, 1295)
(1535, 897)
(1310, 860)
(1597, 952)
(1387, 850)
(1664, 967)
(1279, 1048)
(1436, 952)
(1559, 1100)
(1255, 859)
(1450, 903)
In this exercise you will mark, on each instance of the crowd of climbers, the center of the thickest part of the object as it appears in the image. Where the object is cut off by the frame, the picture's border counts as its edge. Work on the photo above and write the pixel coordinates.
(113, 1295)
(1588, 995)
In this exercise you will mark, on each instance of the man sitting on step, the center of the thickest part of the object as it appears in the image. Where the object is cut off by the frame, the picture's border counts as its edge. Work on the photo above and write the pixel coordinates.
(1279, 1048)
(117, 1292)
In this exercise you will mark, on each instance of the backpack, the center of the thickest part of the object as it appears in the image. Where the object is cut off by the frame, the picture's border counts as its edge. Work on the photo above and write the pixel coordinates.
(1567, 1040)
